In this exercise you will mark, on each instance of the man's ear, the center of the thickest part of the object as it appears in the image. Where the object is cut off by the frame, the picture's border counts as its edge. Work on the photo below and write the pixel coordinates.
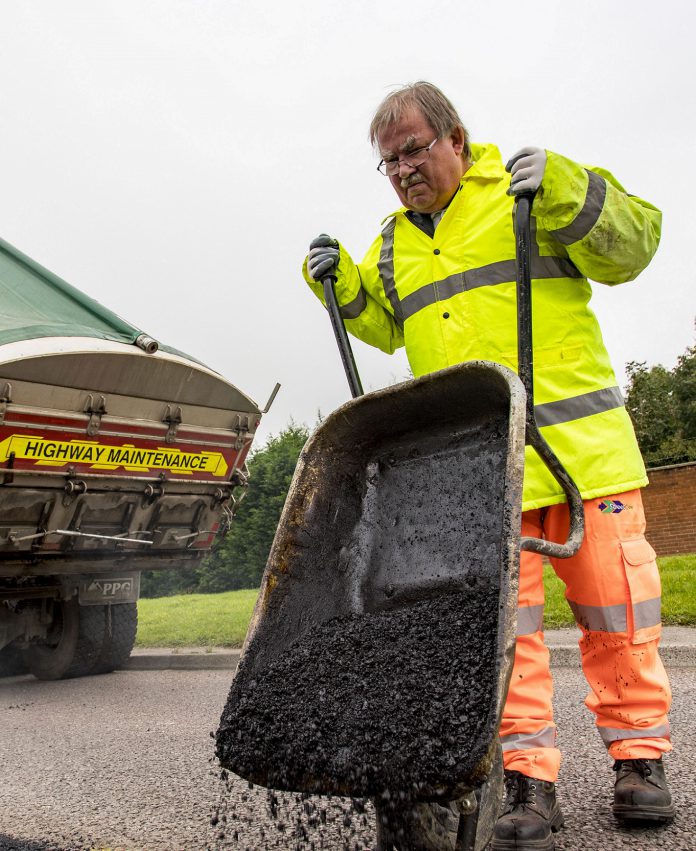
(457, 137)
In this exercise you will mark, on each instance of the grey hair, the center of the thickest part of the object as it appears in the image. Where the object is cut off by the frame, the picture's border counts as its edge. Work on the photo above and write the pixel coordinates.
(435, 107)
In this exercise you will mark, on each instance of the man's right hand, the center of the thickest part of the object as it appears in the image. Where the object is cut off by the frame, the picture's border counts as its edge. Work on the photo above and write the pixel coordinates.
(323, 257)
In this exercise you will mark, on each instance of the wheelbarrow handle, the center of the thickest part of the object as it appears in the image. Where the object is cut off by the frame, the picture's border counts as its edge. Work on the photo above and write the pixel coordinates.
(339, 329)
(534, 438)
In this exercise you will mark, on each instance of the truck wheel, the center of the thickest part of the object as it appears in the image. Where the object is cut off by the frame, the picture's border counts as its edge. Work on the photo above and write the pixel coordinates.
(120, 627)
(12, 661)
(73, 644)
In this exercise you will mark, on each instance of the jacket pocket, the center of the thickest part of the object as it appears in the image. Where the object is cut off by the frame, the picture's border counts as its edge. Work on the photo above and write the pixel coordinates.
(643, 580)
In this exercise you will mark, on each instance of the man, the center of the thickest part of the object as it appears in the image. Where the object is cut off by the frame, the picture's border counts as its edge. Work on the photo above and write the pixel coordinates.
(440, 279)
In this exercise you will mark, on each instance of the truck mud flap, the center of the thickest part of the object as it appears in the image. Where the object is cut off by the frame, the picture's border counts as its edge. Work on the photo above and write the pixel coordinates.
(99, 590)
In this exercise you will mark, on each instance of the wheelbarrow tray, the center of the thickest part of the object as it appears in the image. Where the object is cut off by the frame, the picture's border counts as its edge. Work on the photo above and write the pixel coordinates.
(380, 649)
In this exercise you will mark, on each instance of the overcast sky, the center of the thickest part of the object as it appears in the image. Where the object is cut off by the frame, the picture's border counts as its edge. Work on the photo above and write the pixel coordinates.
(173, 158)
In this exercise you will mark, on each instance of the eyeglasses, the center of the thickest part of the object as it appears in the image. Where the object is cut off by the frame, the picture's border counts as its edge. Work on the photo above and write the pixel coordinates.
(413, 159)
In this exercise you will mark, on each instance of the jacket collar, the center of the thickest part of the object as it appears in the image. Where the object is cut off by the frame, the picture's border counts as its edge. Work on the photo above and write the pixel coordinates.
(486, 163)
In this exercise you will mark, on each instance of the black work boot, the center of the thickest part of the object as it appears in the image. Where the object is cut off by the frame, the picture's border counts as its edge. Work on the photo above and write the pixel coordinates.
(530, 815)
(641, 792)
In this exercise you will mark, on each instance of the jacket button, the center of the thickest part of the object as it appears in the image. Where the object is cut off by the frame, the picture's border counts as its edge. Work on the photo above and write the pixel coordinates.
(436, 251)
(445, 315)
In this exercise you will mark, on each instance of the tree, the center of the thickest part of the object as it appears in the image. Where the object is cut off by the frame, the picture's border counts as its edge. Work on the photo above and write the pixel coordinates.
(165, 583)
(662, 405)
(685, 392)
(239, 561)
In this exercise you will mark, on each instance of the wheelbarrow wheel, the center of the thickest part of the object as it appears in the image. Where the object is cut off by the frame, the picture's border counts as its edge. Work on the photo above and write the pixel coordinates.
(463, 825)
(478, 819)
(416, 826)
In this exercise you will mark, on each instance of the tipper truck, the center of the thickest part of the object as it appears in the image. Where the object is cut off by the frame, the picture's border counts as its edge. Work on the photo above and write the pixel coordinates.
(117, 455)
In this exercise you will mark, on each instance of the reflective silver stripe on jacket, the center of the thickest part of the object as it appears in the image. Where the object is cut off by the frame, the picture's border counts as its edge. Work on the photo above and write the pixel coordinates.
(586, 219)
(616, 734)
(500, 272)
(529, 619)
(354, 308)
(545, 738)
(385, 266)
(503, 271)
(584, 405)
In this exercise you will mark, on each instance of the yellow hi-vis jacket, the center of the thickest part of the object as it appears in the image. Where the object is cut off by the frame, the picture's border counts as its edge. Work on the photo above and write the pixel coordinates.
(452, 298)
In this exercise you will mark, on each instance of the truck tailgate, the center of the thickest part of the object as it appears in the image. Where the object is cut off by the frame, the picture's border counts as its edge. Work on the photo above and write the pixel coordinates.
(110, 456)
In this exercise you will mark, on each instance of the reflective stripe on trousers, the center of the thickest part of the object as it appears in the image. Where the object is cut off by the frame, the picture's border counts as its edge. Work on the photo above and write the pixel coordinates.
(613, 588)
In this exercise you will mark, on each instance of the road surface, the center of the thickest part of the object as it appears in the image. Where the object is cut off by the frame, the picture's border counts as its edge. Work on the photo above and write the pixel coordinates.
(125, 762)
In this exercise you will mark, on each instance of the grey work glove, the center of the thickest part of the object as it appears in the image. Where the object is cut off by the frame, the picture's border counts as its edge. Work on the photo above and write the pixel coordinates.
(527, 170)
(323, 257)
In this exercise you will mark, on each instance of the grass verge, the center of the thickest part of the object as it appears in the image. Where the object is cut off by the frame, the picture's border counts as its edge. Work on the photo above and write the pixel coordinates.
(221, 620)
(195, 620)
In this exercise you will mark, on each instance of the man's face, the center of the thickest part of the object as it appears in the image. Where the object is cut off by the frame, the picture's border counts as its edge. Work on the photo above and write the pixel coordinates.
(431, 186)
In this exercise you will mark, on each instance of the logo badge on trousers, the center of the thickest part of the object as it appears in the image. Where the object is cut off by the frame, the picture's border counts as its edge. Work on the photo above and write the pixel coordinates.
(612, 506)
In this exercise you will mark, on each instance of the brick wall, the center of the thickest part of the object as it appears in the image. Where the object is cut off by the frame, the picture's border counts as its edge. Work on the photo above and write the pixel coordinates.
(670, 509)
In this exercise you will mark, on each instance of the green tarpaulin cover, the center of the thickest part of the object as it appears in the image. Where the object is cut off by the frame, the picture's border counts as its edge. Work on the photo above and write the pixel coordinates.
(36, 303)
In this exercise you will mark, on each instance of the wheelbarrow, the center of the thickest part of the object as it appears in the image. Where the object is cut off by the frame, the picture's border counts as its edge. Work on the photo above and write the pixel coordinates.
(379, 653)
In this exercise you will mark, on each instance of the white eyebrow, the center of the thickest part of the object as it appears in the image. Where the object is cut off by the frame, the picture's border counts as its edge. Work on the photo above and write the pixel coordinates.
(408, 145)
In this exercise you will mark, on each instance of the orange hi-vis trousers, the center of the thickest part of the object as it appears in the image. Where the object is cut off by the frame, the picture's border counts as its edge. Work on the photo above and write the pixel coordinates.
(613, 588)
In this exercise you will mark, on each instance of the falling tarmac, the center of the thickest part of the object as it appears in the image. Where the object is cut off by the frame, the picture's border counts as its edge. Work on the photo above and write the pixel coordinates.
(256, 818)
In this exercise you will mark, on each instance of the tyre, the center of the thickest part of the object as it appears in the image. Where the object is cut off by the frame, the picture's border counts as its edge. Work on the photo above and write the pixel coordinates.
(120, 627)
(73, 645)
(417, 826)
(467, 823)
(12, 661)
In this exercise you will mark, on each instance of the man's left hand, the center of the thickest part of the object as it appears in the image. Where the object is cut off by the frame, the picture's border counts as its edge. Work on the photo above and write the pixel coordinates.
(527, 170)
